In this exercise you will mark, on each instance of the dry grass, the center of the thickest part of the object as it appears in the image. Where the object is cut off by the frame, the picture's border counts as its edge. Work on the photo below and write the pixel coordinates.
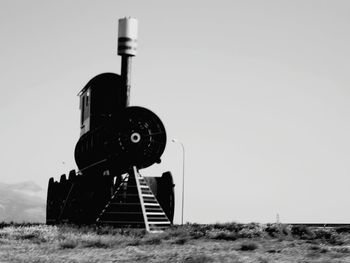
(229, 242)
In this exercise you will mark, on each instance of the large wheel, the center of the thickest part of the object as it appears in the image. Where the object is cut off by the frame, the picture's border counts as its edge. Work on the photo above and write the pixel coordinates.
(165, 194)
(49, 203)
(136, 137)
(141, 137)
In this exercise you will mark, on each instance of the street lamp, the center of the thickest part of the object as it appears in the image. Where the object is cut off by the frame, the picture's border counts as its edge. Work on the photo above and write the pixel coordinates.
(183, 179)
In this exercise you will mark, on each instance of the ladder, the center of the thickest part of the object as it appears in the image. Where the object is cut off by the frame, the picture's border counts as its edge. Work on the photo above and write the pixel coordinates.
(133, 204)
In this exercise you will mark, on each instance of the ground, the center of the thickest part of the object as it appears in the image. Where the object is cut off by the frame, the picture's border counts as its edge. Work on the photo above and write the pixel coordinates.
(229, 242)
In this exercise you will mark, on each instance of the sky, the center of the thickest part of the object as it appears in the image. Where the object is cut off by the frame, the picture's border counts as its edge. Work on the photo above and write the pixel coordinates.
(257, 91)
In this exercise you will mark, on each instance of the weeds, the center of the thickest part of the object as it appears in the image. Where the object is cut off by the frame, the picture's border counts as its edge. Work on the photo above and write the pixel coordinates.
(344, 250)
(315, 236)
(134, 242)
(197, 259)
(97, 243)
(263, 260)
(152, 240)
(180, 240)
(249, 246)
(302, 232)
(109, 230)
(315, 248)
(13, 224)
(277, 230)
(180, 243)
(68, 244)
(223, 235)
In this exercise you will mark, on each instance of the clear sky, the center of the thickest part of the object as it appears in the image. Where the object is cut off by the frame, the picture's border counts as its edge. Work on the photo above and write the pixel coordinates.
(257, 91)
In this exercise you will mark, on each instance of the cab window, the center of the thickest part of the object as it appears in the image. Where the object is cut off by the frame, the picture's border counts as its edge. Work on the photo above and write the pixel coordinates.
(82, 109)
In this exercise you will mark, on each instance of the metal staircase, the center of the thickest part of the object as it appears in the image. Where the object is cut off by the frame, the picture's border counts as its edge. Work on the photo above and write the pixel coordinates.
(133, 204)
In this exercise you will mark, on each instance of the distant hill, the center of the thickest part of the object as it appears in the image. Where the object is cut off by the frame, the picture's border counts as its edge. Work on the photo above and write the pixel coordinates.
(21, 203)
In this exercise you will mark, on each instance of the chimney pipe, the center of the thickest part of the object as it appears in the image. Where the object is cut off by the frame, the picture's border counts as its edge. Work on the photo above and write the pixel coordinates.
(127, 46)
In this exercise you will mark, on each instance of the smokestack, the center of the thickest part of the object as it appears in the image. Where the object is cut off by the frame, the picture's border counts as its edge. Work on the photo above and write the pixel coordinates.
(127, 46)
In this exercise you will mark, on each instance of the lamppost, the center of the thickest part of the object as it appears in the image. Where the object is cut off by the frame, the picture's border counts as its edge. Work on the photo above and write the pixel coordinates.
(183, 179)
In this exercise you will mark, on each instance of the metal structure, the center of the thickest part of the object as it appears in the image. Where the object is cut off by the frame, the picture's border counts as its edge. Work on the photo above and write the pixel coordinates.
(116, 140)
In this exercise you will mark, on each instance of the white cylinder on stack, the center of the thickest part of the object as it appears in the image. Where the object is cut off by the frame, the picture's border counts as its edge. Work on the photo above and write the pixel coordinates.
(127, 36)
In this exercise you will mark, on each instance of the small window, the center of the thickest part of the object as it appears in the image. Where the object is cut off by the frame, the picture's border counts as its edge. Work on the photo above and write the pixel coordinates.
(87, 98)
(82, 109)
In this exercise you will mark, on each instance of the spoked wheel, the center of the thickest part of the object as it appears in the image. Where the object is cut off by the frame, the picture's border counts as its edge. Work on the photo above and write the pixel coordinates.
(165, 194)
(50, 219)
(141, 137)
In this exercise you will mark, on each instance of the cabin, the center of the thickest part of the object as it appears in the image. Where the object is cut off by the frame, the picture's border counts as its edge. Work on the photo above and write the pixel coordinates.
(102, 98)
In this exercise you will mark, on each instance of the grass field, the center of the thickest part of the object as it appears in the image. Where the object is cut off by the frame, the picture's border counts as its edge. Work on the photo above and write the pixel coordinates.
(229, 242)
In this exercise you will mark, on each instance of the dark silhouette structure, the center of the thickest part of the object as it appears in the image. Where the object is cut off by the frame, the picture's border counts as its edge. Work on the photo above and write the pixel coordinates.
(116, 140)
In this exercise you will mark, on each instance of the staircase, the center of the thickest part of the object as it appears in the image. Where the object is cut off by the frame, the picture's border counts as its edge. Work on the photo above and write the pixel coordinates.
(133, 204)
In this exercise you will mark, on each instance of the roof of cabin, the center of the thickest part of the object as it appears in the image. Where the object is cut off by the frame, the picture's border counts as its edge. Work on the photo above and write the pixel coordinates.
(103, 79)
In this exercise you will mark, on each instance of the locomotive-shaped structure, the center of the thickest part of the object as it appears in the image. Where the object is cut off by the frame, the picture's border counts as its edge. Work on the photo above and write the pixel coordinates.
(116, 140)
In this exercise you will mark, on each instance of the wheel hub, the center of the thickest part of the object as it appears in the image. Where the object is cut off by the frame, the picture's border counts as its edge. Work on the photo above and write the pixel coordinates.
(135, 137)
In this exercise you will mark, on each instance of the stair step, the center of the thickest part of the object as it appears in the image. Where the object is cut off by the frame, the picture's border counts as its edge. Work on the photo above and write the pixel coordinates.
(123, 194)
(160, 219)
(149, 201)
(148, 195)
(154, 213)
(151, 204)
(156, 218)
(125, 204)
(134, 204)
(163, 215)
(123, 213)
(122, 222)
(160, 223)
